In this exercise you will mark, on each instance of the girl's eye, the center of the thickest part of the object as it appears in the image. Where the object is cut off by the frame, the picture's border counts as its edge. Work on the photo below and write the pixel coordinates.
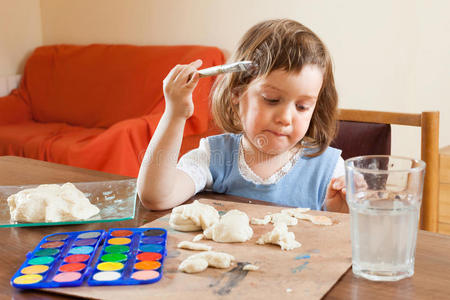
(301, 107)
(271, 101)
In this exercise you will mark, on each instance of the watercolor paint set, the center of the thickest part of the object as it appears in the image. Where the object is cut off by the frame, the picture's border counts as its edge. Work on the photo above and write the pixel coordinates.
(121, 256)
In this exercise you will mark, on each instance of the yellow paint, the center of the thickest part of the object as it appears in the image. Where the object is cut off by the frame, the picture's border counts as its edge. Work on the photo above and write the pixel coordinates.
(119, 241)
(28, 279)
(109, 266)
(36, 269)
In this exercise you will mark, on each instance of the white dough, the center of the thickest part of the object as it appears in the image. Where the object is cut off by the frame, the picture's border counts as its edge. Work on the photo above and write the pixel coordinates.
(250, 267)
(193, 246)
(264, 221)
(199, 262)
(283, 218)
(193, 217)
(280, 236)
(232, 227)
(50, 203)
(198, 237)
(293, 211)
(318, 220)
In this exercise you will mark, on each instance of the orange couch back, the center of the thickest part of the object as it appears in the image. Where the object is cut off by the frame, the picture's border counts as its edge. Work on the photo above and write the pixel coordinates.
(100, 85)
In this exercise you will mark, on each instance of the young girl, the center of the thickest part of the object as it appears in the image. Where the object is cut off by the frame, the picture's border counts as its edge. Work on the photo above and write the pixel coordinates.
(279, 122)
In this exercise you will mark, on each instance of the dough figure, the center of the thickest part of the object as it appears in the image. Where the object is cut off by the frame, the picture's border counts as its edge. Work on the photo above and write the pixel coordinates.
(193, 217)
(199, 262)
(280, 236)
(193, 246)
(50, 203)
(232, 227)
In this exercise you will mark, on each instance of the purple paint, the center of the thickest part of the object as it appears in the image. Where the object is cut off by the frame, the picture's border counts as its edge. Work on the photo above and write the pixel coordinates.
(85, 242)
(152, 240)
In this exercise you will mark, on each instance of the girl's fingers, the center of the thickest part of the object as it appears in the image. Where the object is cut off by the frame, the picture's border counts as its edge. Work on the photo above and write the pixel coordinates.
(197, 63)
(338, 183)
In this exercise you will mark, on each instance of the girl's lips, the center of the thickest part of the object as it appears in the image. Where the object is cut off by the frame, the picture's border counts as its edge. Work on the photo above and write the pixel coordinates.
(276, 133)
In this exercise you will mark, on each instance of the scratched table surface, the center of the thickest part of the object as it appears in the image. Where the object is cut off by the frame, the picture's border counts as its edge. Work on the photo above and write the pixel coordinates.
(305, 272)
(430, 281)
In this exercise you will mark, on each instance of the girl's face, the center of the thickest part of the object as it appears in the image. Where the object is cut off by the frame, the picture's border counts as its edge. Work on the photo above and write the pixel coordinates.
(275, 111)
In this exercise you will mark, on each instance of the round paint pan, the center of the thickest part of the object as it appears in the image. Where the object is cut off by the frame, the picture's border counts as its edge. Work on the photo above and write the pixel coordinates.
(110, 266)
(67, 277)
(81, 250)
(73, 267)
(47, 252)
(154, 232)
(117, 249)
(76, 258)
(85, 242)
(35, 269)
(145, 275)
(147, 265)
(121, 233)
(149, 256)
(113, 257)
(119, 241)
(57, 237)
(89, 235)
(41, 260)
(106, 276)
(152, 240)
(151, 248)
(52, 245)
(28, 279)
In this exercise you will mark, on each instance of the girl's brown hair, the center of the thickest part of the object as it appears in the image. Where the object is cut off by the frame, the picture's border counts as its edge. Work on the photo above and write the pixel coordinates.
(280, 45)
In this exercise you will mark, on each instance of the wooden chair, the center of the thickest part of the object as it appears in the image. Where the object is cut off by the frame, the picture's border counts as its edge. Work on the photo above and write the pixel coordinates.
(429, 123)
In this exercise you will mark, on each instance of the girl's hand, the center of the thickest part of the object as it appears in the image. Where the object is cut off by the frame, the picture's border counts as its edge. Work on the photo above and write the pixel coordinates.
(178, 87)
(335, 196)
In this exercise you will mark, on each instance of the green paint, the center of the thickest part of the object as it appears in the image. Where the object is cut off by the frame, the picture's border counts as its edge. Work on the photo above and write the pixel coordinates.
(117, 249)
(114, 257)
(46, 252)
(42, 260)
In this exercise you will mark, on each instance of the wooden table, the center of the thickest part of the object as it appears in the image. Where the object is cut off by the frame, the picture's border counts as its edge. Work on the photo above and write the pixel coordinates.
(432, 271)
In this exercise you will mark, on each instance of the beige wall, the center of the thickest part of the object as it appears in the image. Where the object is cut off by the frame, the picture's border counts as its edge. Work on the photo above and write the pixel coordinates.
(20, 33)
(389, 55)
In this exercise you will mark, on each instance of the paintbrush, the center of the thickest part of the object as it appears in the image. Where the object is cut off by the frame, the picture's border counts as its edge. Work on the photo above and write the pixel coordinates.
(240, 66)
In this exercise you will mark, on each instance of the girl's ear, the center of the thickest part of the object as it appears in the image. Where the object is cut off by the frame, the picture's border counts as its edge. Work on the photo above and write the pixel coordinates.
(235, 99)
(235, 95)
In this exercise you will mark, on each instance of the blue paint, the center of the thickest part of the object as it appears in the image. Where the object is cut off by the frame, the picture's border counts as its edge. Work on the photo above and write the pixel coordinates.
(81, 250)
(299, 268)
(222, 212)
(150, 248)
(303, 256)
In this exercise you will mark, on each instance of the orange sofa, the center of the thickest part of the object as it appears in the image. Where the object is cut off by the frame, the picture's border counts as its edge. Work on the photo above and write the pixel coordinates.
(97, 106)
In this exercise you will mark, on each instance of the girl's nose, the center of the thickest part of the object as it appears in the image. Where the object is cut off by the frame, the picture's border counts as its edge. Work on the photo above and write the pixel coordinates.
(284, 115)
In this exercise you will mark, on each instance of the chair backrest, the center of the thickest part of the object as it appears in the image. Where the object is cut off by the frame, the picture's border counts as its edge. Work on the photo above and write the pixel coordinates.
(429, 123)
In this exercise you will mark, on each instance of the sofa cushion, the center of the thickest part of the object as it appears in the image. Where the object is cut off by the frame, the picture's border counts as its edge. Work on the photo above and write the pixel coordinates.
(100, 85)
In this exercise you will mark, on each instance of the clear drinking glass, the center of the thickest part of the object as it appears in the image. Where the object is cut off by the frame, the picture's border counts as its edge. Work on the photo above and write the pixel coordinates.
(384, 194)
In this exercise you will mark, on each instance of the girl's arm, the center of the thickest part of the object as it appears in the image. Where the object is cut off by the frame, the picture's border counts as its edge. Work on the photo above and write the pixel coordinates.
(160, 185)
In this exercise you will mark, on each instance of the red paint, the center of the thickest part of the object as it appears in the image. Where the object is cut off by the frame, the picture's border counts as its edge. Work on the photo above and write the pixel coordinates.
(52, 245)
(149, 256)
(121, 233)
(72, 267)
(76, 258)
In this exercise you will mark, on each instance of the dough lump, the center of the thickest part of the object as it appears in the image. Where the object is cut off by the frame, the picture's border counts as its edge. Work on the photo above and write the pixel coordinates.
(280, 236)
(193, 217)
(232, 227)
(50, 203)
(193, 246)
(199, 262)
